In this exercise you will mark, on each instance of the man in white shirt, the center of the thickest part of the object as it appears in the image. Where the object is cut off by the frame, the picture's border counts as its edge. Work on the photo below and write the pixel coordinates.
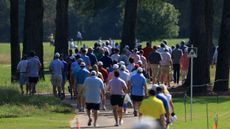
(92, 88)
(23, 79)
(165, 65)
(56, 68)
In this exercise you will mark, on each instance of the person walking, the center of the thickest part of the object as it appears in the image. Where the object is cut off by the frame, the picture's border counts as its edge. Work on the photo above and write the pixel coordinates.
(138, 89)
(80, 77)
(93, 87)
(117, 88)
(165, 65)
(23, 79)
(33, 68)
(176, 56)
(56, 68)
(153, 107)
(154, 59)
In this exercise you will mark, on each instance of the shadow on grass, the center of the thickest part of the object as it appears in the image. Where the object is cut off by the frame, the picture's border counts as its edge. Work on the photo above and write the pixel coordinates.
(12, 104)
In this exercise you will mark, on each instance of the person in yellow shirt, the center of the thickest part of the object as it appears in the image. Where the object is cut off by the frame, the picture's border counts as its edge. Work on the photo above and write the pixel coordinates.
(153, 107)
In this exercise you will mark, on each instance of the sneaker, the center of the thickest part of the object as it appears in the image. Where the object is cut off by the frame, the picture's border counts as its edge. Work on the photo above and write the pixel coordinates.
(135, 113)
(116, 124)
(104, 108)
(121, 122)
(89, 122)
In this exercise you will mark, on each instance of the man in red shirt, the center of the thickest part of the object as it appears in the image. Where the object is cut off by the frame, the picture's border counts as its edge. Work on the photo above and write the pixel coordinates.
(147, 50)
(105, 75)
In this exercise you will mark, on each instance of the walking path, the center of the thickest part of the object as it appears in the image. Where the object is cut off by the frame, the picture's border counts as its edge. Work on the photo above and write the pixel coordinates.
(105, 118)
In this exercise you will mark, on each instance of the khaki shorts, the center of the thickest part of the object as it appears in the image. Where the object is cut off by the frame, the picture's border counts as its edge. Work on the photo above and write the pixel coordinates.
(165, 70)
(56, 80)
(80, 89)
(155, 68)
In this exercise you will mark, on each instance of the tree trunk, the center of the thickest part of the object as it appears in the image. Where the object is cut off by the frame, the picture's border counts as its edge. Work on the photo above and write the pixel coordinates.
(200, 37)
(129, 25)
(14, 39)
(33, 29)
(61, 37)
(222, 67)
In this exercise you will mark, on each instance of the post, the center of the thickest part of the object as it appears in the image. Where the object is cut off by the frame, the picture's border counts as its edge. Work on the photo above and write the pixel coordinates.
(185, 111)
(191, 87)
(207, 115)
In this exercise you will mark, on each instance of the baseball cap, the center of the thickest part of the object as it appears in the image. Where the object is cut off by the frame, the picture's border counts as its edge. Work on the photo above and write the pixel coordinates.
(93, 73)
(82, 64)
(139, 70)
(100, 63)
(154, 87)
(57, 54)
(115, 66)
(123, 67)
(139, 62)
(121, 63)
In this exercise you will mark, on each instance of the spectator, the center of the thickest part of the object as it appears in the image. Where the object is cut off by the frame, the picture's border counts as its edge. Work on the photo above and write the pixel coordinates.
(64, 75)
(154, 60)
(176, 56)
(153, 107)
(79, 38)
(80, 77)
(117, 88)
(92, 57)
(138, 89)
(93, 88)
(116, 55)
(56, 68)
(165, 65)
(22, 69)
(163, 98)
(85, 58)
(184, 62)
(143, 59)
(106, 60)
(135, 55)
(131, 64)
(33, 68)
(147, 50)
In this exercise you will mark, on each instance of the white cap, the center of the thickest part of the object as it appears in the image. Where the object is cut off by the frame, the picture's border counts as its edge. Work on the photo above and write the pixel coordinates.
(139, 62)
(93, 73)
(139, 70)
(123, 67)
(115, 66)
(82, 64)
(154, 87)
(121, 63)
(57, 54)
(100, 63)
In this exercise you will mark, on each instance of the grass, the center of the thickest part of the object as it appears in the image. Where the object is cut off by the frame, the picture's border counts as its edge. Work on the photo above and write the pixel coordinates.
(199, 119)
(46, 112)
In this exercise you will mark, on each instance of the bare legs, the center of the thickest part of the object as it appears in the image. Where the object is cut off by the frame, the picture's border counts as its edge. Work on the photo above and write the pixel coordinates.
(117, 113)
(95, 115)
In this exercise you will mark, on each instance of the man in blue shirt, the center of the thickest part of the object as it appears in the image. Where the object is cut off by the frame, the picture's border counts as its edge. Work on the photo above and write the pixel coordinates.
(85, 58)
(163, 98)
(138, 89)
(80, 77)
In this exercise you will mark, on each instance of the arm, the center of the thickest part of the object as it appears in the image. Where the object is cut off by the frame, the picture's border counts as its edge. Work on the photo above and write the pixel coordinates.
(162, 121)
